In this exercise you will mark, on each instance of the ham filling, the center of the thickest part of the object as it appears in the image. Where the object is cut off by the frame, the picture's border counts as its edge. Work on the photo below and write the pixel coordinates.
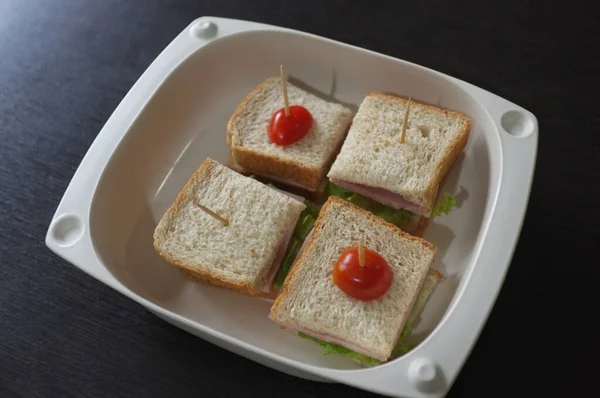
(278, 260)
(329, 338)
(304, 243)
(383, 196)
(285, 242)
(335, 340)
(286, 181)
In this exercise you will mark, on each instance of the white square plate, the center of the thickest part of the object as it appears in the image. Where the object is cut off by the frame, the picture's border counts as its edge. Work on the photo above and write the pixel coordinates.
(176, 115)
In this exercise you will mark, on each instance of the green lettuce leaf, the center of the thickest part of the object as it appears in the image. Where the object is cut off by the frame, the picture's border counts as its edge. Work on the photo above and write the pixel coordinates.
(311, 208)
(403, 347)
(306, 221)
(398, 217)
(328, 348)
(352, 197)
(305, 224)
(288, 261)
(354, 356)
(336, 190)
(359, 200)
(445, 205)
(406, 331)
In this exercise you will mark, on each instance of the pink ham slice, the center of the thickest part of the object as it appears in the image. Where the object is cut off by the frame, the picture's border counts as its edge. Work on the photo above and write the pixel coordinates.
(383, 196)
(304, 243)
(334, 340)
(277, 260)
(285, 242)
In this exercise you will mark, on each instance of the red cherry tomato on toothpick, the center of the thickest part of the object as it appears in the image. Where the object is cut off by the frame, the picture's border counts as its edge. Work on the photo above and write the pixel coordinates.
(288, 129)
(367, 282)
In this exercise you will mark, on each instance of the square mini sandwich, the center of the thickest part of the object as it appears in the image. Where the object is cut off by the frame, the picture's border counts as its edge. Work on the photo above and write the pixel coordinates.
(401, 171)
(229, 230)
(362, 311)
(303, 163)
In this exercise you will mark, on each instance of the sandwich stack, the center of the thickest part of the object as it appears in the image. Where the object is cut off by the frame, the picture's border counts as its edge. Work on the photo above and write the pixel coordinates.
(353, 275)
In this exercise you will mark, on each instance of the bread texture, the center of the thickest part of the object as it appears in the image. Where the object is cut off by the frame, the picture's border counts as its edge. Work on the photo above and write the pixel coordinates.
(305, 162)
(432, 280)
(236, 256)
(309, 299)
(373, 156)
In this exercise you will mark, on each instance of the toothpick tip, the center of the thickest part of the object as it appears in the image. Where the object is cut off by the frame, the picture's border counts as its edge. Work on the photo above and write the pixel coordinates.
(284, 92)
(405, 122)
(361, 255)
(223, 221)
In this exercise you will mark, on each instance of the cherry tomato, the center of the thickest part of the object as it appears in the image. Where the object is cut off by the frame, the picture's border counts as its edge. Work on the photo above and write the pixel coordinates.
(365, 283)
(286, 130)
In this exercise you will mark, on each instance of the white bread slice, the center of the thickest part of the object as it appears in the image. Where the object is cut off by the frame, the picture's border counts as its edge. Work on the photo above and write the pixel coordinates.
(433, 279)
(289, 185)
(309, 300)
(237, 256)
(373, 156)
(304, 162)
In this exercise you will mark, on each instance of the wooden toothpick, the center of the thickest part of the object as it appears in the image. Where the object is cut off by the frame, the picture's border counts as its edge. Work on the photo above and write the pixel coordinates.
(361, 254)
(284, 91)
(404, 122)
(211, 213)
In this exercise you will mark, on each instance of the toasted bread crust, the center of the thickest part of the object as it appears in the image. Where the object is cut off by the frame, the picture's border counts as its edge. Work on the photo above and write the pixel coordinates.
(319, 224)
(440, 277)
(302, 191)
(240, 108)
(232, 164)
(457, 145)
(207, 277)
(253, 162)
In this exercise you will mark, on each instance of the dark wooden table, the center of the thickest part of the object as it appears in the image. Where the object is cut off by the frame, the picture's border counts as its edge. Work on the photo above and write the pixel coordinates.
(64, 67)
